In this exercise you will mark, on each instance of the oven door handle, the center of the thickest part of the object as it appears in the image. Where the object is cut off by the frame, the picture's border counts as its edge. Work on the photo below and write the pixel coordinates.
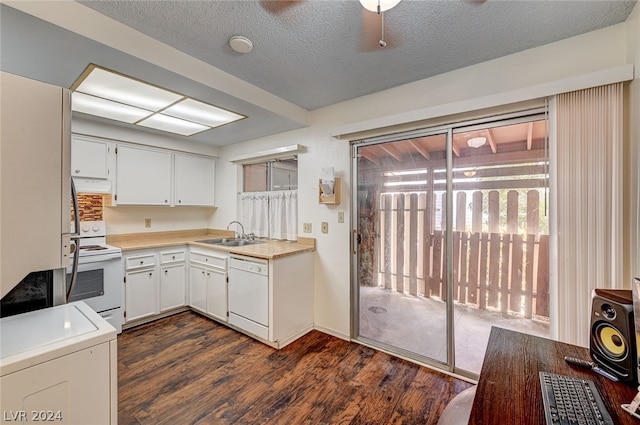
(75, 239)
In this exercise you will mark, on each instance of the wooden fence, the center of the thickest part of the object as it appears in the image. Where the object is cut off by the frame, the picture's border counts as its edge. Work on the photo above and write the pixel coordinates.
(500, 260)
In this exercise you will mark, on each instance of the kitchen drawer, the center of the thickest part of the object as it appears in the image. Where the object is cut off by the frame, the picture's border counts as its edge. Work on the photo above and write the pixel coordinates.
(209, 260)
(139, 261)
(172, 257)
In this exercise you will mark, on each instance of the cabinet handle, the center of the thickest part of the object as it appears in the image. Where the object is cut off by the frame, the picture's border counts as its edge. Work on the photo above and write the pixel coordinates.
(179, 201)
(165, 201)
(173, 258)
(166, 271)
(77, 170)
(150, 273)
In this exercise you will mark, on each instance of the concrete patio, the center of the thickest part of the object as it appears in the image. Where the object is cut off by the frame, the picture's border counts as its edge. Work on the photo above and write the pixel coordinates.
(418, 325)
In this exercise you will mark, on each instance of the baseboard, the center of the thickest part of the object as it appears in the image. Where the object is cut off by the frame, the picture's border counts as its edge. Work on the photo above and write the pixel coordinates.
(332, 332)
(284, 342)
(154, 318)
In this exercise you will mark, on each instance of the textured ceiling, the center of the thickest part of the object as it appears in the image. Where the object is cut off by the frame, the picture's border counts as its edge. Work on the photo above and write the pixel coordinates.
(311, 53)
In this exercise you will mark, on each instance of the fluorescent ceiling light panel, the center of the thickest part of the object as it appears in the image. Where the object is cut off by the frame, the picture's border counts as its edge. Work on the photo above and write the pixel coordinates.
(116, 87)
(110, 95)
(172, 125)
(107, 109)
(202, 113)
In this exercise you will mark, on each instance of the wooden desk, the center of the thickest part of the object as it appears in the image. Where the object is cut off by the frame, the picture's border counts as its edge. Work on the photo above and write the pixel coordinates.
(509, 392)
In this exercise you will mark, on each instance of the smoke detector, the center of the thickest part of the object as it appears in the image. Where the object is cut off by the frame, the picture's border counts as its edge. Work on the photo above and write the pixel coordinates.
(240, 44)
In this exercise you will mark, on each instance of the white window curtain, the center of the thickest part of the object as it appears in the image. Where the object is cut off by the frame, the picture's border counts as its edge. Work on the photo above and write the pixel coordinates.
(270, 214)
(254, 213)
(589, 145)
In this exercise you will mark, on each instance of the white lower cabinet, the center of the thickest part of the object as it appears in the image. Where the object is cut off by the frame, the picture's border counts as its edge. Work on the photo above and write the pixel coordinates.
(172, 286)
(217, 293)
(173, 279)
(271, 300)
(208, 282)
(141, 294)
(198, 288)
(155, 282)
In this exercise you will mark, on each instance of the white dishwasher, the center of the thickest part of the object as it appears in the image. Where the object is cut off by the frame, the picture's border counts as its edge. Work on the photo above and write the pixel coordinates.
(249, 294)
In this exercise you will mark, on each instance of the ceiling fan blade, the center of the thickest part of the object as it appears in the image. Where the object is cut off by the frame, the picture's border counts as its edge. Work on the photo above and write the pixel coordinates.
(276, 7)
(371, 32)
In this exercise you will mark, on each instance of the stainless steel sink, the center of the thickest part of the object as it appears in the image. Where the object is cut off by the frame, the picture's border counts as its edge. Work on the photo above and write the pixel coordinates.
(229, 242)
(218, 241)
(241, 242)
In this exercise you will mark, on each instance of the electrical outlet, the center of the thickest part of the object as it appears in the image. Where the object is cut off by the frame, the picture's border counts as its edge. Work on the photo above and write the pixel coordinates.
(325, 227)
(341, 217)
(306, 227)
(147, 222)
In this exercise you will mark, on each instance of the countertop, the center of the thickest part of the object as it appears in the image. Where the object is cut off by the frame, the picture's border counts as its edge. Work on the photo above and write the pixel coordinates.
(269, 250)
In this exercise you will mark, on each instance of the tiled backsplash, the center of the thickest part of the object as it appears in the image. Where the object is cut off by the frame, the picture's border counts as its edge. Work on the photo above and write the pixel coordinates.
(90, 207)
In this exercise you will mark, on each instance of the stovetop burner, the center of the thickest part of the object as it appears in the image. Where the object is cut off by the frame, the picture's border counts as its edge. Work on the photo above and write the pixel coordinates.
(92, 248)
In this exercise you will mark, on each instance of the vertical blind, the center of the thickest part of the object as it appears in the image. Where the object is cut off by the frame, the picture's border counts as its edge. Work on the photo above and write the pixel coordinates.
(589, 144)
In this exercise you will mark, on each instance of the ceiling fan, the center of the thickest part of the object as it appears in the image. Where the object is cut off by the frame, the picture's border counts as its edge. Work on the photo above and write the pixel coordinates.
(372, 24)
(368, 20)
(276, 7)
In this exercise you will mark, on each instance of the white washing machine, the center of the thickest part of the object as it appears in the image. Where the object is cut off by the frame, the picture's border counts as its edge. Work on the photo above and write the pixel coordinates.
(58, 365)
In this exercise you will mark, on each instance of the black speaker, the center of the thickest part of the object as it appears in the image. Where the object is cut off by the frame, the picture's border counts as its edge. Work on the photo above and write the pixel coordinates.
(613, 344)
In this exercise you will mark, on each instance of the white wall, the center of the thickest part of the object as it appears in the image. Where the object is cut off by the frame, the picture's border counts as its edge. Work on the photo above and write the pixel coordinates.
(632, 205)
(131, 219)
(481, 86)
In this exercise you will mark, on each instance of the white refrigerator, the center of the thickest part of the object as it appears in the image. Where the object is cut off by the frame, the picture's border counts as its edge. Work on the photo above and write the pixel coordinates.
(35, 181)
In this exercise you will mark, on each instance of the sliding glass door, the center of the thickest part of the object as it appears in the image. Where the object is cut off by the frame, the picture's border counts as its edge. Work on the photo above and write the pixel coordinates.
(451, 238)
(400, 188)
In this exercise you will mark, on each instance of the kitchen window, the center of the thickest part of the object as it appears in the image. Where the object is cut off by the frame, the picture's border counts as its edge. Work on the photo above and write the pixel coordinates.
(280, 174)
(269, 202)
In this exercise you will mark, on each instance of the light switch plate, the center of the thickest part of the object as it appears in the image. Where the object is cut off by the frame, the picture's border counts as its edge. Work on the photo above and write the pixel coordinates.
(147, 222)
(340, 217)
(324, 227)
(306, 227)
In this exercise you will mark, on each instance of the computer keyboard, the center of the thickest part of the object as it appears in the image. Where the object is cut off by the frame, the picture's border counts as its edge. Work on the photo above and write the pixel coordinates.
(572, 401)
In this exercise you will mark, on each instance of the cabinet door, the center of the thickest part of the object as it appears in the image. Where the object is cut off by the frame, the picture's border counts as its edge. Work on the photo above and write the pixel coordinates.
(198, 288)
(217, 293)
(143, 176)
(194, 180)
(89, 158)
(172, 287)
(141, 294)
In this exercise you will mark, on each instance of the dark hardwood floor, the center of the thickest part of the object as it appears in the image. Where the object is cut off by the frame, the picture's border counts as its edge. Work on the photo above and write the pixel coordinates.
(186, 369)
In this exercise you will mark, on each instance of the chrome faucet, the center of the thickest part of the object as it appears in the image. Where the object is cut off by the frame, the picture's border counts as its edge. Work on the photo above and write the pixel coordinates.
(240, 235)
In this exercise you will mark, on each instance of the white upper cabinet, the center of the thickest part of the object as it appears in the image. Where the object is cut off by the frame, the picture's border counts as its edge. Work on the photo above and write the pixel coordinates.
(143, 176)
(89, 158)
(194, 180)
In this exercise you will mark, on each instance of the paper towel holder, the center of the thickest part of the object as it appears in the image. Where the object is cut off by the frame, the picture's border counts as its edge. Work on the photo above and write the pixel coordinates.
(329, 197)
